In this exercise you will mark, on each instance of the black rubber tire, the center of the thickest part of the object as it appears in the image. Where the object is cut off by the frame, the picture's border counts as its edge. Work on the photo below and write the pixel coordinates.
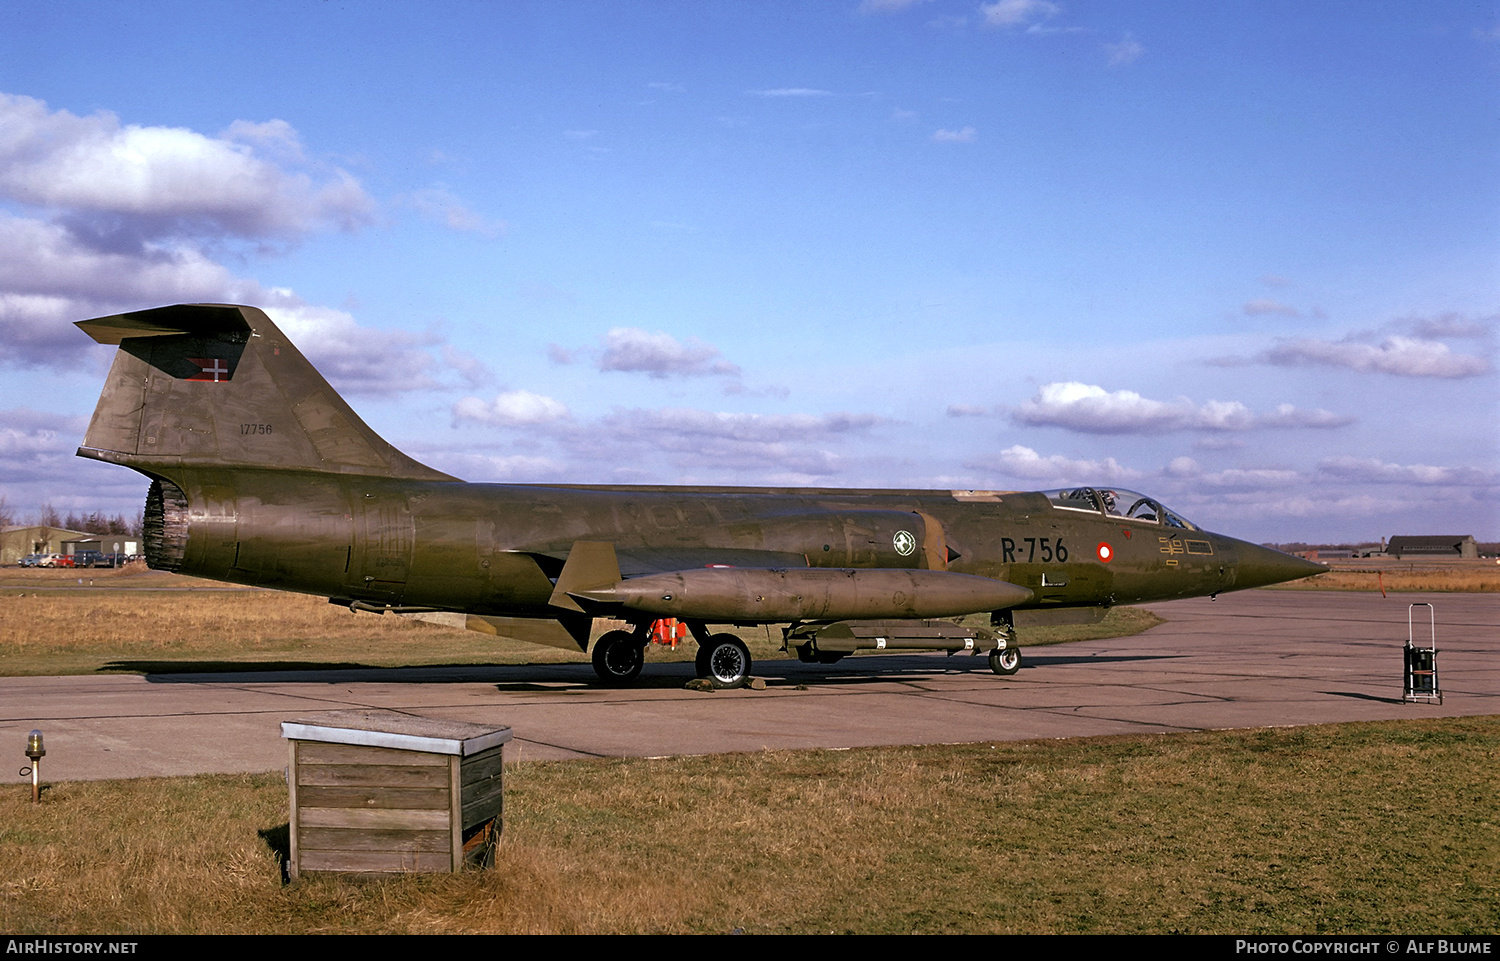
(618, 658)
(724, 661)
(1005, 660)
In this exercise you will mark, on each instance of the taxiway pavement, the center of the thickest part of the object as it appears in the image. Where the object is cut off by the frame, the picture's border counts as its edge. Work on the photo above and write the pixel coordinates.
(1255, 659)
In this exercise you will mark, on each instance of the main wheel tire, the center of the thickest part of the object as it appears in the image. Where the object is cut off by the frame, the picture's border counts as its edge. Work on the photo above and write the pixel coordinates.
(1005, 660)
(618, 658)
(724, 660)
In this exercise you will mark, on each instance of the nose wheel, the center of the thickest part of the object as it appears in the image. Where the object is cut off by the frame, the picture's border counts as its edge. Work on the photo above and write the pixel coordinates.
(1005, 660)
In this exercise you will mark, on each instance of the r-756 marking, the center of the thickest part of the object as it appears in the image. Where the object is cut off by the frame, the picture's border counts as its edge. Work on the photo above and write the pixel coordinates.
(1048, 549)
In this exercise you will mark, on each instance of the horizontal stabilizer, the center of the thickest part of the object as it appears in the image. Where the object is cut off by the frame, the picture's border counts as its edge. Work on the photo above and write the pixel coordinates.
(201, 320)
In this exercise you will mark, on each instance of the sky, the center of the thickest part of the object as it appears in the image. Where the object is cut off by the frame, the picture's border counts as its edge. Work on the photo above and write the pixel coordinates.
(1241, 256)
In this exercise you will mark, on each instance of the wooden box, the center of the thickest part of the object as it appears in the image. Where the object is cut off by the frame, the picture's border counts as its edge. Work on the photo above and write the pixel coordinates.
(375, 792)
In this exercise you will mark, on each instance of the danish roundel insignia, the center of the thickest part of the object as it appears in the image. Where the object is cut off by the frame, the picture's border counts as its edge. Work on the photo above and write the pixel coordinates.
(1106, 553)
(904, 543)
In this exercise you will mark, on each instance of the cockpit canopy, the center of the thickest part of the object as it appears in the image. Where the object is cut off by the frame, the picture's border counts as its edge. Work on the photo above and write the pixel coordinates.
(1117, 502)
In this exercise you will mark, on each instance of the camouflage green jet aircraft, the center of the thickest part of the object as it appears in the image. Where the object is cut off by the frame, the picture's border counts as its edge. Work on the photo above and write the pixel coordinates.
(261, 474)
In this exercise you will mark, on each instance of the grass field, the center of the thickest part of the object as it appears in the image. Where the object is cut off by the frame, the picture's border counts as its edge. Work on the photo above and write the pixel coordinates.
(1387, 827)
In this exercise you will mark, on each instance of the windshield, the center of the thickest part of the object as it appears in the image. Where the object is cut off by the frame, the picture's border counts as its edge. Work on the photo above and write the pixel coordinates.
(1117, 502)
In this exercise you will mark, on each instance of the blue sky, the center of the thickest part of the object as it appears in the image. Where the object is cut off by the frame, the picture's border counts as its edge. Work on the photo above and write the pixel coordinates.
(1241, 256)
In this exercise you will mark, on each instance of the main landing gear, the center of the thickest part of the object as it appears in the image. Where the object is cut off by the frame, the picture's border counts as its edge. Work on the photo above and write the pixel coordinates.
(722, 659)
(619, 656)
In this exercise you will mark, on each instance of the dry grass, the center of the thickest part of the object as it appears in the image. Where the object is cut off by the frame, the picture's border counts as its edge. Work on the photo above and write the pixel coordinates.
(1373, 574)
(1367, 828)
(85, 631)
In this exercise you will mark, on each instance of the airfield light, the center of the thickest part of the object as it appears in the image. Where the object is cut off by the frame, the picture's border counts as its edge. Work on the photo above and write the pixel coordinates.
(36, 751)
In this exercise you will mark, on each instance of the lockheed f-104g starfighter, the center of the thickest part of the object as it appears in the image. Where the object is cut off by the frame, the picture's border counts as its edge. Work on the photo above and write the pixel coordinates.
(261, 474)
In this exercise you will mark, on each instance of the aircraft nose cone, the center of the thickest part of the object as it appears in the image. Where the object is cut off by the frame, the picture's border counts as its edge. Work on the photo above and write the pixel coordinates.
(1259, 566)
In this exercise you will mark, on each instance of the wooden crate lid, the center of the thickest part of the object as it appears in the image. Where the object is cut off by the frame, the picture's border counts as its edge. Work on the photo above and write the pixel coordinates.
(392, 729)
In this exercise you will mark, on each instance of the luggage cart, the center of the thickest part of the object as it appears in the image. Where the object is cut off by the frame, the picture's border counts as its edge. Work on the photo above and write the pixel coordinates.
(1421, 662)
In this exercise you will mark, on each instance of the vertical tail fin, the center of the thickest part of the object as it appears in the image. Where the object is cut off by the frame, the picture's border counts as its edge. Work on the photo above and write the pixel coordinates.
(218, 385)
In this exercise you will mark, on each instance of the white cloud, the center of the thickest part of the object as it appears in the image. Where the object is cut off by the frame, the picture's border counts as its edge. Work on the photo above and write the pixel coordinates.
(473, 370)
(168, 181)
(966, 135)
(126, 214)
(756, 428)
(1018, 461)
(1258, 308)
(1016, 13)
(355, 359)
(1399, 355)
(1127, 51)
(793, 447)
(1285, 415)
(660, 355)
(48, 278)
(493, 468)
(514, 408)
(40, 258)
(1251, 479)
(1373, 470)
(26, 435)
(40, 467)
(1090, 409)
(1182, 467)
(640, 445)
(1452, 325)
(439, 205)
(275, 137)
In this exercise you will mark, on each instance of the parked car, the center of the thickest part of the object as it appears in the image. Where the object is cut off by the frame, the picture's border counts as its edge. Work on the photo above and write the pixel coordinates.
(32, 560)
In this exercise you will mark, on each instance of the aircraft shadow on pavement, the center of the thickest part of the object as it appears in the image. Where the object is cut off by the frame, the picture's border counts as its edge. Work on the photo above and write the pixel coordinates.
(235, 672)
(557, 677)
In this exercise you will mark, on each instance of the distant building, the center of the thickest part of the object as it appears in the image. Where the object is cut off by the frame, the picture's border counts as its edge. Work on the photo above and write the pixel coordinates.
(22, 539)
(103, 544)
(1433, 545)
(1325, 553)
